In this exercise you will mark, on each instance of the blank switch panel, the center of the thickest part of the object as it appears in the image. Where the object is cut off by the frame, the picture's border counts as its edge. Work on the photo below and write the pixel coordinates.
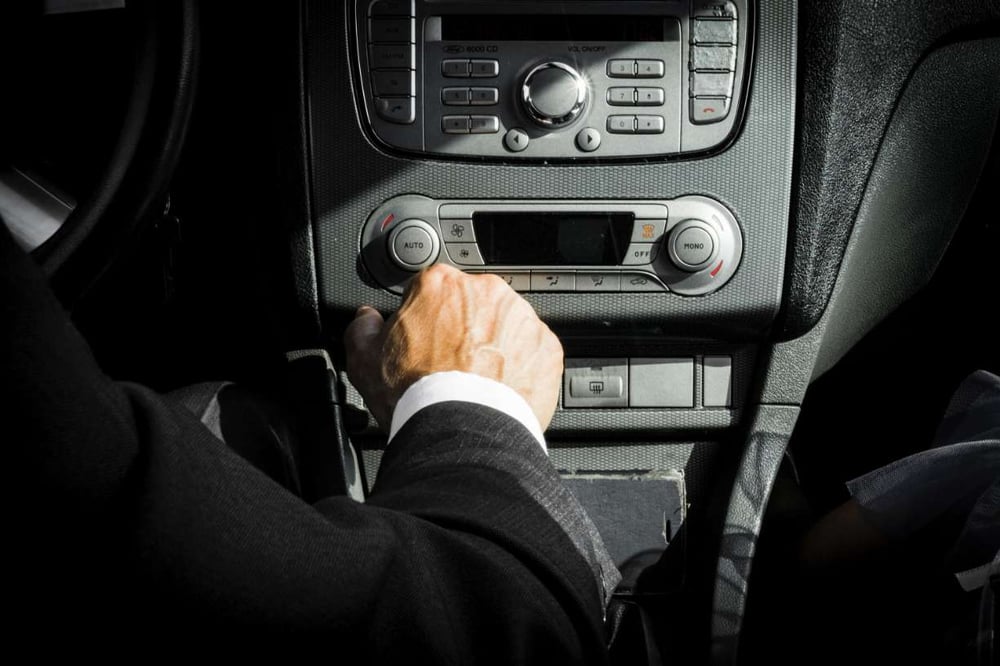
(661, 382)
(718, 381)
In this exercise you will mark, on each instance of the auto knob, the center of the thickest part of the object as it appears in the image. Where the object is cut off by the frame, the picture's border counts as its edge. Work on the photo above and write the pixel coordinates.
(413, 245)
(553, 94)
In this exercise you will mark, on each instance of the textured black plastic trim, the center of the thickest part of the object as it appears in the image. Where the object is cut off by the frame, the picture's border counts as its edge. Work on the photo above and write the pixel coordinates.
(855, 59)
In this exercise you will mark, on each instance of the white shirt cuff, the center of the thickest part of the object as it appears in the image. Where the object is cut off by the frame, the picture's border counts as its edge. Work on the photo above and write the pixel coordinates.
(464, 387)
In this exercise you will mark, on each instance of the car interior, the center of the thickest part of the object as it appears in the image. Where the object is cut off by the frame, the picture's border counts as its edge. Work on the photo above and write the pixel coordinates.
(763, 231)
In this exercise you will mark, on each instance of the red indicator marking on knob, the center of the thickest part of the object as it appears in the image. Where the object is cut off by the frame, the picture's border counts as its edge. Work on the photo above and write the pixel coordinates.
(388, 218)
(715, 271)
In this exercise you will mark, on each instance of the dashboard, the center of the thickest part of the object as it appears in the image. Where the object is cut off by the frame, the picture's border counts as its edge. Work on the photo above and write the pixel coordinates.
(710, 202)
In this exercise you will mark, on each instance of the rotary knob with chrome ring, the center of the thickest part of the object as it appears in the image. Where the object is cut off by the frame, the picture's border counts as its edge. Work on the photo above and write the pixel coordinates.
(553, 94)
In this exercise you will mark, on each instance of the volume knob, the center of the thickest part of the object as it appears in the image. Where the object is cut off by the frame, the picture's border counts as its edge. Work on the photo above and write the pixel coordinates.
(553, 94)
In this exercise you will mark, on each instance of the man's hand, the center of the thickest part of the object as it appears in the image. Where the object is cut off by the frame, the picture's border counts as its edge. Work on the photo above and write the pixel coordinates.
(453, 321)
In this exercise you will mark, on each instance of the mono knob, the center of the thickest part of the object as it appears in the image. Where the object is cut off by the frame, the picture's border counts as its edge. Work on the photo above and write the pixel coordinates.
(693, 245)
(553, 94)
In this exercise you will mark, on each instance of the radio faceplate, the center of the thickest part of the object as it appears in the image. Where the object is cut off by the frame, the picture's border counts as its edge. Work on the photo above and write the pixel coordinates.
(554, 80)
(690, 245)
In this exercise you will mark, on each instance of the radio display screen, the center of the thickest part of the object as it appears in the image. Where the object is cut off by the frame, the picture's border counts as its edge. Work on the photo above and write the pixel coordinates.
(553, 239)
(552, 28)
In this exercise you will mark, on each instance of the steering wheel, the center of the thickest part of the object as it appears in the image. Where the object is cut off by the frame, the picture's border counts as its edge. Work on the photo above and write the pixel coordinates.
(76, 238)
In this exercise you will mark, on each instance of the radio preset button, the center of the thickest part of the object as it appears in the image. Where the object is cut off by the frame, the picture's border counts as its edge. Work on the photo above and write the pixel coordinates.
(517, 281)
(413, 244)
(648, 231)
(649, 124)
(594, 281)
(484, 96)
(621, 96)
(399, 110)
(588, 139)
(714, 31)
(455, 69)
(649, 96)
(515, 140)
(391, 56)
(391, 30)
(455, 96)
(455, 124)
(545, 281)
(621, 69)
(706, 110)
(621, 124)
(465, 254)
(640, 254)
(484, 69)
(484, 124)
(649, 69)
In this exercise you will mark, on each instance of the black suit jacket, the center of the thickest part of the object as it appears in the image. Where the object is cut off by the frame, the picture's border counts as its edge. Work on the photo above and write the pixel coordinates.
(128, 520)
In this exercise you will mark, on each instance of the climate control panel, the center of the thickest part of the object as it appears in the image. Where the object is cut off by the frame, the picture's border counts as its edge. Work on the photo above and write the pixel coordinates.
(690, 246)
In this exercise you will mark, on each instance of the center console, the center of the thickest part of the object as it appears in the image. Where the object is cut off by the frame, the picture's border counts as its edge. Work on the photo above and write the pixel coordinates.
(625, 165)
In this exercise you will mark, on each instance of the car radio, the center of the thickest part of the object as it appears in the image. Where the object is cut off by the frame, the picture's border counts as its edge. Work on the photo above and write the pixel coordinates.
(691, 245)
(552, 80)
